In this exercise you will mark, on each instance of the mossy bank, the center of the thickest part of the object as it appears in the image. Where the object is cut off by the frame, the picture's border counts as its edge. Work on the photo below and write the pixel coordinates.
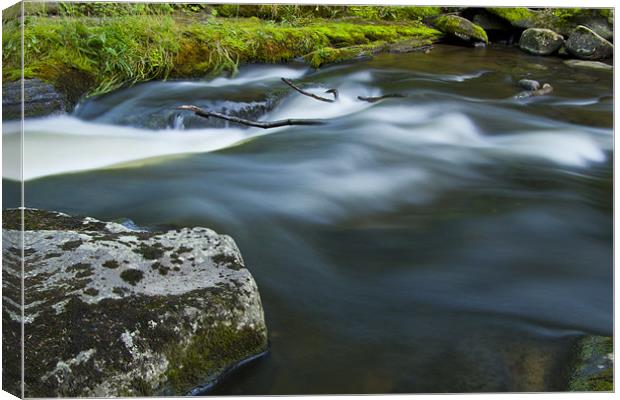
(94, 55)
(103, 319)
(85, 49)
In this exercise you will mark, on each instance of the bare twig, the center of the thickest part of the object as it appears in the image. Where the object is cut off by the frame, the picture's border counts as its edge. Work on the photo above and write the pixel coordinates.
(375, 99)
(314, 96)
(264, 125)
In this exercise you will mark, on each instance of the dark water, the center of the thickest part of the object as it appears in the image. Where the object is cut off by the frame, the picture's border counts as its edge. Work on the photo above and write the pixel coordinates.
(455, 240)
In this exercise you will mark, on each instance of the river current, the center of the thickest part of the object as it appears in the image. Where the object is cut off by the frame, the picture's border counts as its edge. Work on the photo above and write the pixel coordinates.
(453, 240)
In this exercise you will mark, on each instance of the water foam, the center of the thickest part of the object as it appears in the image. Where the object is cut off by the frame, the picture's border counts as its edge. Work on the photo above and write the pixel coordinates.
(257, 74)
(66, 144)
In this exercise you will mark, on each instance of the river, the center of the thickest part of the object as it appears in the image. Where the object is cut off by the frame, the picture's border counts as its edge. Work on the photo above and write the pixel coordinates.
(453, 240)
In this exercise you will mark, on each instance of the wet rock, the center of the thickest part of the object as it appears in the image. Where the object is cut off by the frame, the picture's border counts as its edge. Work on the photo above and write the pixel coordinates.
(599, 25)
(587, 45)
(593, 365)
(562, 21)
(112, 311)
(408, 46)
(544, 90)
(460, 28)
(40, 99)
(540, 42)
(151, 109)
(589, 65)
(529, 84)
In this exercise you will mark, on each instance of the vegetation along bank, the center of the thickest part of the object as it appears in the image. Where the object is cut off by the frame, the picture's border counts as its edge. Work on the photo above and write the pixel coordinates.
(94, 48)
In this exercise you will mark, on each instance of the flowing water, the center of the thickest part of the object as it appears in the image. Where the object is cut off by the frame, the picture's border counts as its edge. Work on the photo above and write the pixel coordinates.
(454, 240)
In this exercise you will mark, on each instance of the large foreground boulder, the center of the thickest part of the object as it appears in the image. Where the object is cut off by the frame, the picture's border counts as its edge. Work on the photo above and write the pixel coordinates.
(540, 42)
(460, 28)
(584, 43)
(111, 311)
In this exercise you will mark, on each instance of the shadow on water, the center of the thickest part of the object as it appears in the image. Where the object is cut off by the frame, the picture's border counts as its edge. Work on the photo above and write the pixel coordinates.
(455, 240)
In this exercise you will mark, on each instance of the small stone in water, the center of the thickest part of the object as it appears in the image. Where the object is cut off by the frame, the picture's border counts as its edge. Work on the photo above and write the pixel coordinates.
(529, 84)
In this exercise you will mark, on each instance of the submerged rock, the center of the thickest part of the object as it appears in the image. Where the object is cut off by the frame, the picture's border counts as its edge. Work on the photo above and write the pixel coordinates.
(594, 365)
(586, 44)
(589, 64)
(529, 84)
(460, 28)
(40, 99)
(540, 42)
(112, 311)
(543, 91)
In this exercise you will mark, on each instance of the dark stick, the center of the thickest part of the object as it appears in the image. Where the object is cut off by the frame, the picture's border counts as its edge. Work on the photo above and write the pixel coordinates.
(264, 125)
(375, 99)
(314, 96)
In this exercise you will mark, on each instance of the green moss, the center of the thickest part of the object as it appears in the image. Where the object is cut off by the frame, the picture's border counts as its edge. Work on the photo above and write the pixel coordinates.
(112, 264)
(514, 15)
(210, 352)
(119, 291)
(184, 249)
(150, 252)
(81, 55)
(140, 387)
(91, 292)
(226, 261)
(592, 352)
(82, 270)
(132, 276)
(393, 12)
(561, 20)
(461, 28)
(596, 345)
(71, 245)
(46, 220)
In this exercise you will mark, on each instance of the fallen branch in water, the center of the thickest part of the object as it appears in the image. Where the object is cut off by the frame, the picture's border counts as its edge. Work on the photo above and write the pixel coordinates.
(314, 96)
(375, 99)
(264, 125)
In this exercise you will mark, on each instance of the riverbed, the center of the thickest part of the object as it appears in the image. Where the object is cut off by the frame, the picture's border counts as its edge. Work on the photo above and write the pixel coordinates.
(454, 240)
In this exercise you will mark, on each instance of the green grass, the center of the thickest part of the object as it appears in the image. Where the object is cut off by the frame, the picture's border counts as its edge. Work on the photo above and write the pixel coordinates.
(105, 53)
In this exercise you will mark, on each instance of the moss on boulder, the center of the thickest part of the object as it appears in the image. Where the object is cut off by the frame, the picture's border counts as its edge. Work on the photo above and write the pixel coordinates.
(126, 330)
(540, 42)
(594, 366)
(519, 17)
(560, 20)
(460, 28)
(329, 55)
(584, 43)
